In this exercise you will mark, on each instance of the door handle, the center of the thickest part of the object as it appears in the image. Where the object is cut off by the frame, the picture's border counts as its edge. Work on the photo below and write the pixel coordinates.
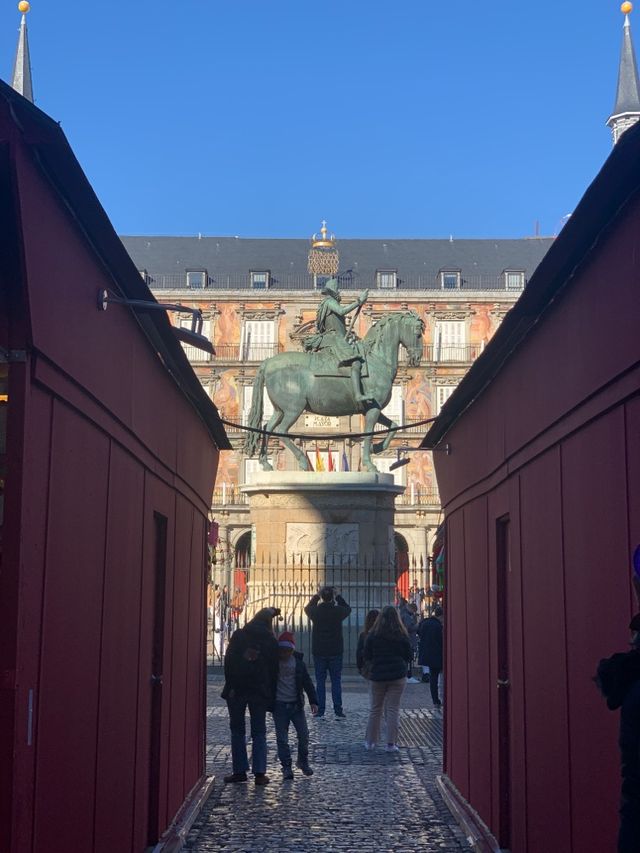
(503, 682)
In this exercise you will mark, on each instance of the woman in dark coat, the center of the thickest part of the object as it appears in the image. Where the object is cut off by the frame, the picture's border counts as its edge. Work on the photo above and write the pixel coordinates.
(388, 649)
(430, 650)
(369, 621)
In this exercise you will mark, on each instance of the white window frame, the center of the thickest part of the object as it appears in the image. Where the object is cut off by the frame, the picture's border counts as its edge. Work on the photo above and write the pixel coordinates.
(247, 399)
(194, 353)
(445, 274)
(260, 279)
(509, 278)
(441, 394)
(197, 279)
(250, 466)
(258, 340)
(383, 463)
(394, 409)
(450, 340)
(386, 279)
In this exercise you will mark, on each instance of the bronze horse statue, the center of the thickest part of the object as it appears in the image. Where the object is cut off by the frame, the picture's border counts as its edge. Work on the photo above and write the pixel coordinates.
(294, 387)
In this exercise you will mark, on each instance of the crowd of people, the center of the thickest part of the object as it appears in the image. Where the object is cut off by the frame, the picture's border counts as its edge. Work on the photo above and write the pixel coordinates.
(265, 674)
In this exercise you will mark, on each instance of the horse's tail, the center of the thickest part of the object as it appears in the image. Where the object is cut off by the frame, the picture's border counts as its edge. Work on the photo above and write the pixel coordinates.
(254, 439)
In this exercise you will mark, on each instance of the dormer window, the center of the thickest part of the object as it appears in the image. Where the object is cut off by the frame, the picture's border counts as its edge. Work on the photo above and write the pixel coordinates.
(450, 279)
(514, 279)
(197, 279)
(259, 279)
(387, 279)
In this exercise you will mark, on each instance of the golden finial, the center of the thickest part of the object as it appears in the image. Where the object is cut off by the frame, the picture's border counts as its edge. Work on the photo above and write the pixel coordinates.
(323, 255)
(626, 7)
(23, 6)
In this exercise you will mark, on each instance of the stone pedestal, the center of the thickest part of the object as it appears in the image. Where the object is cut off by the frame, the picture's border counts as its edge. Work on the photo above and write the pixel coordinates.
(348, 515)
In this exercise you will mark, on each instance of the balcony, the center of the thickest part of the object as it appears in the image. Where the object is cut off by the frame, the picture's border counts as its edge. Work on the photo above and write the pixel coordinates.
(246, 353)
(431, 283)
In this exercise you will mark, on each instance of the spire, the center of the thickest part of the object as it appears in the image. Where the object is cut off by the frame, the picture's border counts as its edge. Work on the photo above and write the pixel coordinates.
(21, 79)
(626, 111)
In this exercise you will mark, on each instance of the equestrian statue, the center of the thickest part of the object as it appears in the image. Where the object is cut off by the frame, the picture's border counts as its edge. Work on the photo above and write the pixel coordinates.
(337, 374)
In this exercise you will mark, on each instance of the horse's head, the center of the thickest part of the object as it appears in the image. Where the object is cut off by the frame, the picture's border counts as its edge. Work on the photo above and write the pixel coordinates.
(411, 331)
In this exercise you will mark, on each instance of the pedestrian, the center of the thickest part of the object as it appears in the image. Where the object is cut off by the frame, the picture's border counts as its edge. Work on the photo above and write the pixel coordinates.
(293, 682)
(618, 678)
(388, 648)
(430, 651)
(251, 675)
(327, 611)
(364, 666)
(409, 616)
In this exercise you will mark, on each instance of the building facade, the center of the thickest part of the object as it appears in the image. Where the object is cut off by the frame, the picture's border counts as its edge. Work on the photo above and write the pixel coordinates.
(258, 299)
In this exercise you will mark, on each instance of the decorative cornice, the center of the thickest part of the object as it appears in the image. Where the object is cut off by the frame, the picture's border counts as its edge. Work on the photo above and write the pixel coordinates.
(248, 312)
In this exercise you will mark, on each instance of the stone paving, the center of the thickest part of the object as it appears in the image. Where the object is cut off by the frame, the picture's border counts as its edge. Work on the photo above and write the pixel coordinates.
(356, 800)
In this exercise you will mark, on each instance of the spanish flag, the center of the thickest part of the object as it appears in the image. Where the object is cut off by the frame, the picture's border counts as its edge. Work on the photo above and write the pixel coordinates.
(319, 462)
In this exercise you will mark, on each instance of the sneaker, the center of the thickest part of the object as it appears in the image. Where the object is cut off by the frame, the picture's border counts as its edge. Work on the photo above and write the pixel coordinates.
(437, 704)
(262, 779)
(412, 680)
(235, 778)
(340, 715)
(305, 767)
(391, 747)
(319, 716)
(369, 746)
(287, 773)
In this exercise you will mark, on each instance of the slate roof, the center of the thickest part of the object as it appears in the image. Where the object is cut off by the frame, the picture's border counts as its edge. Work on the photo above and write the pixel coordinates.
(284, 258)
(628, 91)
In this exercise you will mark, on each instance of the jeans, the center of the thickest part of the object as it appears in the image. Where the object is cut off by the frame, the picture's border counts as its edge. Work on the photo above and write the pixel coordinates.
(384, 695)
(258, 715)
(283, 714)
(433, 684)
(332, 665)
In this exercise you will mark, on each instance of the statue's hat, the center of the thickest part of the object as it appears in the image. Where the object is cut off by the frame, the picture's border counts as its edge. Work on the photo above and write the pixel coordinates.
(331, 287)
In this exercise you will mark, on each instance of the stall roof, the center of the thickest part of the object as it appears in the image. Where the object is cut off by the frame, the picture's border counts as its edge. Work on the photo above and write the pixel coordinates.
(44, 138)
(615, 185)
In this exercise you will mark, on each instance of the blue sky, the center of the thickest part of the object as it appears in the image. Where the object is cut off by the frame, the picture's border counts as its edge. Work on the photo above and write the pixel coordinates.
(413, 119)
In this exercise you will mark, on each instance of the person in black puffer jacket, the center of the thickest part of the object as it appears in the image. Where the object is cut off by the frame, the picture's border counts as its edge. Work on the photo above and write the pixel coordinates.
(388, 649)
(251, 675)
(618, 678)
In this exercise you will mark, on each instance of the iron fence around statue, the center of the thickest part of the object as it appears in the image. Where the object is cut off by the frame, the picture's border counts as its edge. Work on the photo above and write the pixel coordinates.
(290, 581)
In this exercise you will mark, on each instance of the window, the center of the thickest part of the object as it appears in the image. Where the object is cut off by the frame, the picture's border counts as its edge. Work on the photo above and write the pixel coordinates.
(319, 281)
(442, 394)
(267, 405)
(197, 279)
(193, 353)
(252, 466)
(258, 340)
(386, 279)
(383, 463)
(395, 406)
(450, 279)
(450, 341)
(260, 279)
(514, 279)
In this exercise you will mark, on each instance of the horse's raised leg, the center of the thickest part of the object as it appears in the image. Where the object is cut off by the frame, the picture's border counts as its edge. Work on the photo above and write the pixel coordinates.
(381, 446)
(370, 420)
(288, 419)
(263, 458)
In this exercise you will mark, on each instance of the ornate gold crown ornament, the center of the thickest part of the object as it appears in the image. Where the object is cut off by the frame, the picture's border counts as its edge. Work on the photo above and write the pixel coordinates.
(323, 254)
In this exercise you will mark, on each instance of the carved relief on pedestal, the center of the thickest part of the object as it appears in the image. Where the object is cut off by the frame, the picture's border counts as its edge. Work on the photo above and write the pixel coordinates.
(318, 538)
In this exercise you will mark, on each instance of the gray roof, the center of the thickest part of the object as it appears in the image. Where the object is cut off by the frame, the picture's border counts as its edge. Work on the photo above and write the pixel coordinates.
(414, 260)
(628, 92)
(21, 77)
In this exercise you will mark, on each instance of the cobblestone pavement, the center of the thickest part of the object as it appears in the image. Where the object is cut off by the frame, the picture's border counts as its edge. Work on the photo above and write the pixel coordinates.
(356, 800)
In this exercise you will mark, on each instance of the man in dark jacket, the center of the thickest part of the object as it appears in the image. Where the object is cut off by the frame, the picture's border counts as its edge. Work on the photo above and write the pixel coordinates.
(251, 674)
(327, 611)
(618, 678)
(430, 650)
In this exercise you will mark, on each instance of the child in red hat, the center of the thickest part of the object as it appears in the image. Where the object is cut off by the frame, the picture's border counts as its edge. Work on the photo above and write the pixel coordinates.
(293, 682)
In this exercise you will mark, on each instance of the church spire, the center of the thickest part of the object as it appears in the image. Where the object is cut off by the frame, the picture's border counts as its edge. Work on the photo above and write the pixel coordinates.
(626, 111)
(21, 80)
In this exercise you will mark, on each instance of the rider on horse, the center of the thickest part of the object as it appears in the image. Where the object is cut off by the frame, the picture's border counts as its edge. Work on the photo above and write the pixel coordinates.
(332, 334)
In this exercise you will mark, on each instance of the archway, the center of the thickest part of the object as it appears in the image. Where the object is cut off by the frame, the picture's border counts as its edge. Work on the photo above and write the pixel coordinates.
(402, 564)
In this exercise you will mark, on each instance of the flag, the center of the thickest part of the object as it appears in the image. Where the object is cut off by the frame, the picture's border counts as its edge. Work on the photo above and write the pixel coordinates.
(319, 462)
(345, 461)
(330, 458)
